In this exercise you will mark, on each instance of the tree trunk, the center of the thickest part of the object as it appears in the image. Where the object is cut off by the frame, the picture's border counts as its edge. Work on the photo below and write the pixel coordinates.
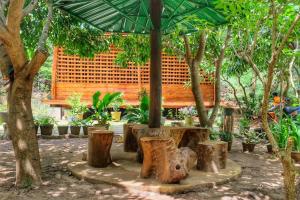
(24, 139)
(201, 110)
(289, 175)
(155, 65)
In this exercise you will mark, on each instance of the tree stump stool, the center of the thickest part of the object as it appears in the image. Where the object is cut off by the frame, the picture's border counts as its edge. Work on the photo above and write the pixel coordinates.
(212, 156)
(130, 142)
(99, 144)
(164, 160)
(193, 135)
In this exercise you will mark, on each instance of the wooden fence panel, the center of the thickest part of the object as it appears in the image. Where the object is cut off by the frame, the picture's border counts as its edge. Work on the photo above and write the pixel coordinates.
(72, 74)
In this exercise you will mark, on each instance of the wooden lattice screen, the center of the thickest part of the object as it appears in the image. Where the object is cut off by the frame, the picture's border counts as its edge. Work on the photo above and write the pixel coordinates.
(72, 74)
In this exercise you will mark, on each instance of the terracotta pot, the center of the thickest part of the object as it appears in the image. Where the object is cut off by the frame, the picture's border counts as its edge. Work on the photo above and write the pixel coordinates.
(116, 116)
(36, 127)
(296, 156)
(46, 129)
(63, 130)
(75, 130)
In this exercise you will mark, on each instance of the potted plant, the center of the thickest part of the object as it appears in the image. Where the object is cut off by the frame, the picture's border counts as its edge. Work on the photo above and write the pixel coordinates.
(250, 139)
(77, 108)
(46, 124)
(75, 126)
(62, 129)
(100, 107)
(226, 137)
(286, 128)
(116, 113)
(188, 113)
(139, 115)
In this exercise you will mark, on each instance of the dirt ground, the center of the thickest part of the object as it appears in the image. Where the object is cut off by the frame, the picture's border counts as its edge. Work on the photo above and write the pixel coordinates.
(260, 179)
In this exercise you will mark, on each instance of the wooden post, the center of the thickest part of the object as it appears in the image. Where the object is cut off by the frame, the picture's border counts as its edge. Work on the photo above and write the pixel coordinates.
(155, 65)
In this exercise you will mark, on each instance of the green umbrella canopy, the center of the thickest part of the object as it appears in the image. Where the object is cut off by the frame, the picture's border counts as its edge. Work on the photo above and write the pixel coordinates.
(132, 16)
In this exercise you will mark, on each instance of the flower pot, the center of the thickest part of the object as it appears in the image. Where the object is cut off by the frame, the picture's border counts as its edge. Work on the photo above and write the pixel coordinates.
(269, 148)
(251, 147)
(36, 128)
(63, 130)
(248, 147)
(245, 147)
(116, 116)
(296, 156)
(75, 130)
(46, 129)
(85, 130)
(188, 121)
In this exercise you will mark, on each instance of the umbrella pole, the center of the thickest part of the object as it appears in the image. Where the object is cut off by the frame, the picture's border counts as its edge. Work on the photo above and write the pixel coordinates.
(155, 65)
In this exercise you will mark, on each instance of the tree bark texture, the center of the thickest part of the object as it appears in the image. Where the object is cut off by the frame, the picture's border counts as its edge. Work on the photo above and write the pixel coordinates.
(163, 159)
(24, 139)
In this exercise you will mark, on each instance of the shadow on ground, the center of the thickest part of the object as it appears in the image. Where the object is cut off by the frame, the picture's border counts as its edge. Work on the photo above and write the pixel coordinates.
(260, 179)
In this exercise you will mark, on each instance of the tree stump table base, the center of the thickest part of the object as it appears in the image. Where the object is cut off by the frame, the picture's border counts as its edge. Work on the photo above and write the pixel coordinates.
(212, 156)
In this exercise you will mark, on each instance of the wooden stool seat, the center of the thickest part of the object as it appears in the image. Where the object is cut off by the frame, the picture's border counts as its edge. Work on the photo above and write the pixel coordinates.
(163, 159)
(99, 144)
(212, 156)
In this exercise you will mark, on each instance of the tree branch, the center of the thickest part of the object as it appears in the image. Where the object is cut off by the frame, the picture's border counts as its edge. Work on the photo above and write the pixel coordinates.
(244, 90)
(41, 54)
(274, 25)
(234, 93)
(255, 68)
(188, 52)
(30, 7)
(201, 49)
(46, 29)
(287, 35)
(218, 65)
(14, 16)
